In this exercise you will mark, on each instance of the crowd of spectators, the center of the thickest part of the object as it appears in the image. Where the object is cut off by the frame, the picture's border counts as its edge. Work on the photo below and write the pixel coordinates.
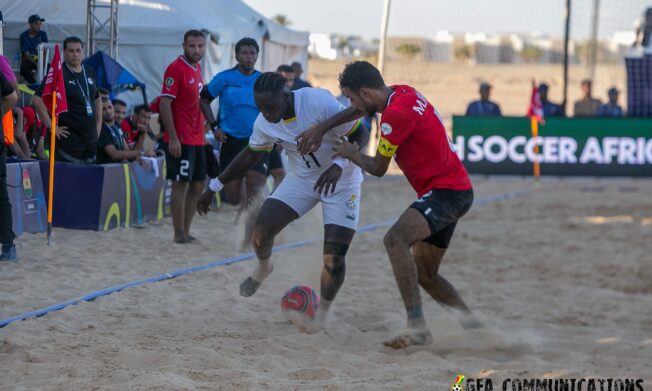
(587, 106)
(88, 132)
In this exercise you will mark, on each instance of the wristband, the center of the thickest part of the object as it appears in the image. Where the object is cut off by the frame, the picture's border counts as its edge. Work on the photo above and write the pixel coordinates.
(342, 162)
(215, 185)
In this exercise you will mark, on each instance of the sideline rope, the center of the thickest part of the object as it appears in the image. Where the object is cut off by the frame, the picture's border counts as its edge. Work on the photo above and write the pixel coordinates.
(222, 262)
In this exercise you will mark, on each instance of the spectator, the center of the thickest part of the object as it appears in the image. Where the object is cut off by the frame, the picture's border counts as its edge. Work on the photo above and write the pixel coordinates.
(159, 138)
(5, 69)
(288, 73)
(136, 127)
(236, 117)
(19, 147)
(483, 107)
(35, 132)
(587, 106)
(111, 145)
(79, 127)
(29, 41)
(298, 81)
(119, 111)
(549, 109)
(7, 236)
(611, 109)
(184, 122)
(13, 117)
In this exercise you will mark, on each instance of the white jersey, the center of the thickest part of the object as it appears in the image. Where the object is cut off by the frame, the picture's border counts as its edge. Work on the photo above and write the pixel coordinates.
(311, 106)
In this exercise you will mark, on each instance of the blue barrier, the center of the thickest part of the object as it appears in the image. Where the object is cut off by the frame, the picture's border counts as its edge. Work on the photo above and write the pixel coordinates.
(227, 261)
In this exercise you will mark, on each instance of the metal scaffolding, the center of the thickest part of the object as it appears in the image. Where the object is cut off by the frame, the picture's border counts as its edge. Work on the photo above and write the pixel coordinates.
(102, 27)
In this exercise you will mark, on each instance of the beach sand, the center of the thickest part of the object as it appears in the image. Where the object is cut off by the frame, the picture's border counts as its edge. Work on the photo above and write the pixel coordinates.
(560, 276)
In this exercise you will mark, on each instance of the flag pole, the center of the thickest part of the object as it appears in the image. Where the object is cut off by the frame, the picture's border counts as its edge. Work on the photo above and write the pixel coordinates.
(51, 182)
(534, 127)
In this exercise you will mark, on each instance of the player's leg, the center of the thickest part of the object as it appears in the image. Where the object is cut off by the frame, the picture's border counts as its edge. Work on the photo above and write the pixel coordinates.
(410, 228)
(432, 217)
(197, 175)
(341, 215)
(177, 169)
(178, 209)
(255, 180)
(288, 202)
(428, 257)
(228, 152)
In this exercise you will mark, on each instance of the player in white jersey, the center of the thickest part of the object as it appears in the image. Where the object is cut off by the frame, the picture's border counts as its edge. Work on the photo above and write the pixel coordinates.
(311, 179)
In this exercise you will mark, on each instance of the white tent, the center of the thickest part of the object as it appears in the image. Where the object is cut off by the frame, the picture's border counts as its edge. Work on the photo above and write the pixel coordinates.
(150, 32)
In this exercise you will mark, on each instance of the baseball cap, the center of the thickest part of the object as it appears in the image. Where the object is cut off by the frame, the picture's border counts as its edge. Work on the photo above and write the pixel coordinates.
(35, 18)
(485, 86)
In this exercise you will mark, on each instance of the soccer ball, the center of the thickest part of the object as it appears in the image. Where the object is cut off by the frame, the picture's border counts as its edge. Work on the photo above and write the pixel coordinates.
(300, 300)
(456, 387)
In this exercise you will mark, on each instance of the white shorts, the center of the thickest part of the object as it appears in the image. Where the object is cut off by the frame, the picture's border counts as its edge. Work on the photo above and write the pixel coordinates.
(340, 208)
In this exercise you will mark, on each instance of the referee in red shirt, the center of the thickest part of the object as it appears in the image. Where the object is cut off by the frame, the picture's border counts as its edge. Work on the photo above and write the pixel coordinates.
(414, 134)
(184, 122)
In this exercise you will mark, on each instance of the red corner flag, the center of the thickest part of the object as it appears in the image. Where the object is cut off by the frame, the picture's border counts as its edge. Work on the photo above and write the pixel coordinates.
(54, 97)
(54, 84)
(536, 107)
(535, 112)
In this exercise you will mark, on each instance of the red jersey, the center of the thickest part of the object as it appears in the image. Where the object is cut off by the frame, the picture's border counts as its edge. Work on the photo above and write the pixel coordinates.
(413, 132)
(130, 133)
(183, 82)
(30, 118)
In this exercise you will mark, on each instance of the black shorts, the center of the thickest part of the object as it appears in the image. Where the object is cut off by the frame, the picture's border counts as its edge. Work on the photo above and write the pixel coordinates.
(442, 208)
(232, 147)
(190, 167)
(275, 160)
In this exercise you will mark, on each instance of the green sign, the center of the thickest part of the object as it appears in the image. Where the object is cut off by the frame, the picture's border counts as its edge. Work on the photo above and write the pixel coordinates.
(566, 146)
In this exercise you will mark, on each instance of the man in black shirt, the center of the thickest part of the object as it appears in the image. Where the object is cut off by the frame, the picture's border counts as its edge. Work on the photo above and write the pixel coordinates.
(111, 145)
(79, 127)
(29, 41)
(298, 82)
(7, 236)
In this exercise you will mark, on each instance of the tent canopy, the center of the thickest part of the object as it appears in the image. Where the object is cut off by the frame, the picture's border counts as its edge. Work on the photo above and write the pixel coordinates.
(150, 33)
(113, 76)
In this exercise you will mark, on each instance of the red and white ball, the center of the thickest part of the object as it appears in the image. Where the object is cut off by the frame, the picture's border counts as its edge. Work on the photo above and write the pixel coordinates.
(300, 300)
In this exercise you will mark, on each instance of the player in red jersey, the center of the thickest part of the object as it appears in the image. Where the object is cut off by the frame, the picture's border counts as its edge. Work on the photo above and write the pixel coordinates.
(184, 122)
(412, 133)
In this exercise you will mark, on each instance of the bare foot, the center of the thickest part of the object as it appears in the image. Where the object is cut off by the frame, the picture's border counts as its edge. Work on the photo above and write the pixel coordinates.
(410, 337)
(249, 286)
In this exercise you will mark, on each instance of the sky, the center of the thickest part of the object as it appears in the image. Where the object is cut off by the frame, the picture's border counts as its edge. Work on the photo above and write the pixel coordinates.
(363, 17)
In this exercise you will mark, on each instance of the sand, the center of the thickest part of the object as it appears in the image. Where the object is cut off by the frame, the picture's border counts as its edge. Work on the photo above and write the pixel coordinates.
(450, 87)
(560, 276)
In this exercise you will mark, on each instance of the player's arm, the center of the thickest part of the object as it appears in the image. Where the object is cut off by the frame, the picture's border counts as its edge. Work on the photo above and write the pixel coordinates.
(207, 95)
(395, 128)
(328, 179)
(205, 100)
(310, 139)
(359, 134)
(168, 123)
(375, 165)
(118, 155)
(243, 162)
(20, 145)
